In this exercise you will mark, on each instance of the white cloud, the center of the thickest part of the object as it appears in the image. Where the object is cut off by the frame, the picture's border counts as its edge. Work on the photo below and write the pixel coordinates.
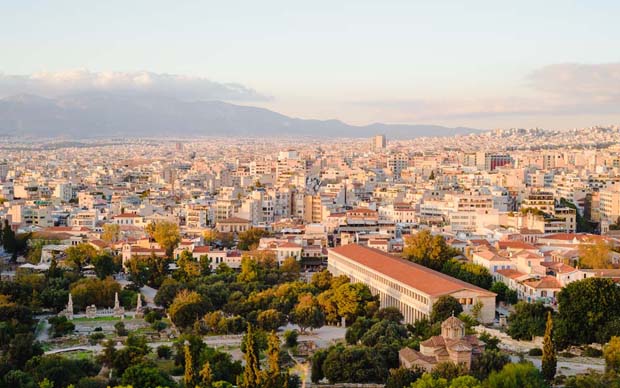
(553, 90)
(52, 84)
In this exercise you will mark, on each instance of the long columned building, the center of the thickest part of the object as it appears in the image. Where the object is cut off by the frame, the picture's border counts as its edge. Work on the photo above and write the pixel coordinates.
(410, 287)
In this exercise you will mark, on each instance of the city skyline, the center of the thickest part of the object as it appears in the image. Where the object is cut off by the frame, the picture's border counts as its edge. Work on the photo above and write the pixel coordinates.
(479, 65)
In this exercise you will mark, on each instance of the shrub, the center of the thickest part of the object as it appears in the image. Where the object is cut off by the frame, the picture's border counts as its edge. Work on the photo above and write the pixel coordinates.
(589, 351)
(164, 351)
(121, 331)
(290, 337)
(535, 352)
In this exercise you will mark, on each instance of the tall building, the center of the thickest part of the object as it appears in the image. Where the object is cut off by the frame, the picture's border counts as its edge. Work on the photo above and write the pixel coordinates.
(378, 142)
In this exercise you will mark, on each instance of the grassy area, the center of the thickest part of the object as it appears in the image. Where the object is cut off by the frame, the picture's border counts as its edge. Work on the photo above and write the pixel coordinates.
(80, 355)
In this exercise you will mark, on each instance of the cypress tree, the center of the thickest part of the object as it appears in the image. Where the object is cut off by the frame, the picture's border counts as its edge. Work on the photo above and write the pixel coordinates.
(189, 367)
(549, 358)
(273, 377)
(206, 375)
(251, 372)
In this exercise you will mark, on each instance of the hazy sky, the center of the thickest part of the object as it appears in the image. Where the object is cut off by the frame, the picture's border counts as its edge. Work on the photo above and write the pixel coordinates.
(486, 64)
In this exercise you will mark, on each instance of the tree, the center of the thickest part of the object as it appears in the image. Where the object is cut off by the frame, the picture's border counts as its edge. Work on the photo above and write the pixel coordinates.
(428, 250)
(166, 292)
(353, 300)
(151, 270)
(354, 364)
(492, 360)
(429, 381)
(9, 241)
(111, 233)
(596, 255)
(272, 377)
(89, 291)
(22, 348)
(270, 319)
(79, 255)
(504, 294)
(527, 321)
(290, 269)
(146, 375)
(206, 375)
(402, 377)
(307, 313)
(611, 352)
(522, 375)
(251, 372)
(448, 370)
(210, 236)
(389, 314)
(249, 239)
(187, 308)
(549, 360)
(249, 270)
(188, 377)
(166, 234)
(290, 338)
(599, 297)
(444, 307)
(322, 280)
(105, 265)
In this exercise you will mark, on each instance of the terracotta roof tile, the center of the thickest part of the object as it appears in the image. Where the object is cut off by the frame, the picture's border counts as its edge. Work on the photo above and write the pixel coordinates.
(414, 275)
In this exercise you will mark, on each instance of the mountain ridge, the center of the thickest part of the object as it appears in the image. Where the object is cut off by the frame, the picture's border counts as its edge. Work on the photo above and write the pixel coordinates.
(116, 114)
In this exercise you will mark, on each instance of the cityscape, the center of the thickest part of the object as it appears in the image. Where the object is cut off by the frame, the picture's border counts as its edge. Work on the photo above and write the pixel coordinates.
(164, 228)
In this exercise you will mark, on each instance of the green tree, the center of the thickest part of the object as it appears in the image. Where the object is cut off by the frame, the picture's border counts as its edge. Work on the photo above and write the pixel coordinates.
(448, 370)
(527, 321)
(79, 255)
(308, 314)
(522, 375)
(402, 377)
(549, 359)
(146, 375)
(273, 377)
(187, 308)
(322, 280)
(445, 307)
(270, 319)
(249, 239)
(111, 233)
(249, 270)
(189, 378)
(166, 234)
(105, 265)
(429, 381)
(353, 300)
(206, 375)
(599, 297)
(428, 250)
(290, 269)
(492, 360)
(611, 352)
(596, 255)
(251, 372)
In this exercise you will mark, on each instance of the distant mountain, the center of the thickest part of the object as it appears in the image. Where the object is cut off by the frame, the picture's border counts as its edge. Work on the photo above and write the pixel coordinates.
(105, 114)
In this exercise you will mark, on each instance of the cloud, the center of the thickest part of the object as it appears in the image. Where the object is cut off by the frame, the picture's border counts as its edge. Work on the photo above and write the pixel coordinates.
(553, 90)
(52, 84)
(600, 82)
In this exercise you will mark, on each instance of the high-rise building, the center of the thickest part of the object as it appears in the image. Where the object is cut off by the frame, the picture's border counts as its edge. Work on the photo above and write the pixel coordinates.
(378, 142)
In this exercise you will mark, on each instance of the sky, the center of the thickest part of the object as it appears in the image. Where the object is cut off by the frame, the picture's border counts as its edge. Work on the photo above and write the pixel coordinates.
(483, 64)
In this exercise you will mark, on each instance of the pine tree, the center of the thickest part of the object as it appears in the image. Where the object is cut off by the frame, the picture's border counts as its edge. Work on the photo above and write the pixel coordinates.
(432, 176)
(251, 372)
(549, 358)
(189, 367)
(206, 375)
(273, 377)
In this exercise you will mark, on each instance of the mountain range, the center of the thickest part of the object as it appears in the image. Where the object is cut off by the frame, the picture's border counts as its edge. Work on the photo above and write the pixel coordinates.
(130, 115)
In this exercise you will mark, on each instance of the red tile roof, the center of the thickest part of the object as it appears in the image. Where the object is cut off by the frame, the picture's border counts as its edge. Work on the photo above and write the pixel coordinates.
(414, 275)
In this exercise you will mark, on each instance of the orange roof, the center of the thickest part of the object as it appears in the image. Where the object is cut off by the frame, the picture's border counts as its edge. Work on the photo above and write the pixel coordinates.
(204, 249)
(510, 273)
(514, 245)
(546, 282)
(414, 275)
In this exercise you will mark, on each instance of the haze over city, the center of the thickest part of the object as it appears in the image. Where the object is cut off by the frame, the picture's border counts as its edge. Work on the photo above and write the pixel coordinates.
(479, 64)
(352, 194)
